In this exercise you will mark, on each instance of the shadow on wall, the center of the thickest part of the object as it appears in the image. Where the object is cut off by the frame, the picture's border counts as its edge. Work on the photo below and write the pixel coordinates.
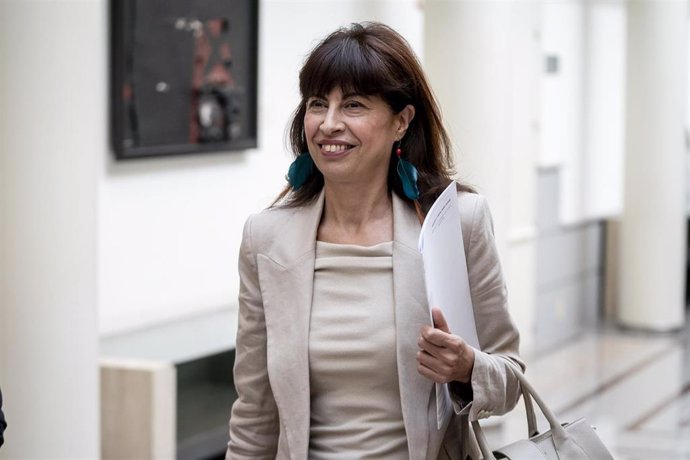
(3, 423)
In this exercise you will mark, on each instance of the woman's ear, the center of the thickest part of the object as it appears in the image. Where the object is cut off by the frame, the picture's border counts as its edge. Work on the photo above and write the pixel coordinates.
(405, 117)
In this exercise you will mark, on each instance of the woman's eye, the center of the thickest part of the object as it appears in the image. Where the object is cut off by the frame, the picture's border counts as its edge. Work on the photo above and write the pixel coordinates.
(353, 105)
(316, 104)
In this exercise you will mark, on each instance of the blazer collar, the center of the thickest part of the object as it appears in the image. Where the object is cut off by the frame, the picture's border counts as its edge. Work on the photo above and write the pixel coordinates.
(297, 235)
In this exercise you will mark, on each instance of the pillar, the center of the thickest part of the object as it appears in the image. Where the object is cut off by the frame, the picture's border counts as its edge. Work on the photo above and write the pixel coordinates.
(653, 224)
(52, 137)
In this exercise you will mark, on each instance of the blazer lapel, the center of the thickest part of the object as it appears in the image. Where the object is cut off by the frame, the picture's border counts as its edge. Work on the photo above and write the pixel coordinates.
(286, 274)
(411, 313)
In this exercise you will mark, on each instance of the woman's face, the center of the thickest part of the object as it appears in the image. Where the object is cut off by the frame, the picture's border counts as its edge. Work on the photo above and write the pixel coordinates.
(350, 136)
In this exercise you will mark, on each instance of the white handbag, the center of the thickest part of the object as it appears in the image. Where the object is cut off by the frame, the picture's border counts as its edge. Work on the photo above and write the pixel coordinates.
(568, 441)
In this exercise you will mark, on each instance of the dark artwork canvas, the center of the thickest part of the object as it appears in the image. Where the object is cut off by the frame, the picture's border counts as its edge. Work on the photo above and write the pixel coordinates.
(184, 76)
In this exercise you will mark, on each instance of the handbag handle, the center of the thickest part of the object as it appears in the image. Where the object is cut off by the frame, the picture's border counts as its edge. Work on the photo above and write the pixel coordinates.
(532, 429)
(529, 394)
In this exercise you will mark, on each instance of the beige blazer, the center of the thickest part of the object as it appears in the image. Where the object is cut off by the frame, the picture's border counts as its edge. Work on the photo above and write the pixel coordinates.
(270, 418)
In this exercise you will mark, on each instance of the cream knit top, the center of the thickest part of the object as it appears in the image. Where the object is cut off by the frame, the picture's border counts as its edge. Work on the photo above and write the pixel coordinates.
(355, 397)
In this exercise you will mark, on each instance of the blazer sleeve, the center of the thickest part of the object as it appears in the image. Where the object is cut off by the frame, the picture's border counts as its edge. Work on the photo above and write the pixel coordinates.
(494, 388)
(254, 425)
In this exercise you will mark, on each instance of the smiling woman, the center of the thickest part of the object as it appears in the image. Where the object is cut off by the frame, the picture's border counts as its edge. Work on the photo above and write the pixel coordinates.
(349, 137)
(366, 61)
(336, 357)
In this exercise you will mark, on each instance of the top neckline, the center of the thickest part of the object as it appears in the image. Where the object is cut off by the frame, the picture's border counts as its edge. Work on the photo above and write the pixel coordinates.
(373, 246)
(325, 249)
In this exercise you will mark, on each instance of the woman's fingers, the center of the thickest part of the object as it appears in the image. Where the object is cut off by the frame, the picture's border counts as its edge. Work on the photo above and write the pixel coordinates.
(431, 374)
(443, 372)
(433, 363)
(445, 354)
(445, 357)
(449, 367)
(441, 339)
(439, 320)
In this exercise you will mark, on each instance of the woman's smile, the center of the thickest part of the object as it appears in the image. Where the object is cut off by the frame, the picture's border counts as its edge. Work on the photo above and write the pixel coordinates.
(332, 149)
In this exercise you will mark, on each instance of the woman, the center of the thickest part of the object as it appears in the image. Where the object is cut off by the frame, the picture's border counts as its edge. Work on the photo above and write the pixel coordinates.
(335, 358)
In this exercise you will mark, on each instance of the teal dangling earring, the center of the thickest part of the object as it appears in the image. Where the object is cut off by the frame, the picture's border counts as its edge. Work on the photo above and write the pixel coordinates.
(408, 175)
(300, 170)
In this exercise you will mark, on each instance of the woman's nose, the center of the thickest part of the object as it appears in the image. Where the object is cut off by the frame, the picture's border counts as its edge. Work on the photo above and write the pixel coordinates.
(332, 122)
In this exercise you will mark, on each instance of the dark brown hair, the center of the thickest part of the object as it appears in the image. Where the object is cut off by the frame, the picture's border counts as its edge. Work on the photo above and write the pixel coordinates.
(372, 59)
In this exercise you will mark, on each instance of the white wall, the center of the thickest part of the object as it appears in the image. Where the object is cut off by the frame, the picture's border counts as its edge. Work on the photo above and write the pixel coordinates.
(170, 228)
(582, 105)
(521, 260)
(561, 92)
(562, 101)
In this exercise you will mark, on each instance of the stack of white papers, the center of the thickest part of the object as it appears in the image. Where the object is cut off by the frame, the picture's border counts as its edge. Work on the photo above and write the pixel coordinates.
(445, 273)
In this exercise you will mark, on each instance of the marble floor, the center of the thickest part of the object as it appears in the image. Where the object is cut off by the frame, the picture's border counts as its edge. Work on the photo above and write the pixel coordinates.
(633, 387)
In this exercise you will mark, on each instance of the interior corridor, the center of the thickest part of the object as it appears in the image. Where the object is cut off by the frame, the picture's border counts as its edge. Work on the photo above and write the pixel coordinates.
(633, 387)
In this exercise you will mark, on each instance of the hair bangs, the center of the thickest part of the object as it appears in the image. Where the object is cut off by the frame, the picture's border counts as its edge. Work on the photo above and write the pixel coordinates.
(346, 64)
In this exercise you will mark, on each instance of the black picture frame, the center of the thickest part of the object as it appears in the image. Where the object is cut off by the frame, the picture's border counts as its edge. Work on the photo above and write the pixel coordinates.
(184, 76)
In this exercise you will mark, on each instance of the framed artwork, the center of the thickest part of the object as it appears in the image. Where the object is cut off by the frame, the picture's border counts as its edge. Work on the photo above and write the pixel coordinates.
(184, 76)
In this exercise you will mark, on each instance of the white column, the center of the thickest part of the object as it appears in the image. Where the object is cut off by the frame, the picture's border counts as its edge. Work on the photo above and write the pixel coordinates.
(653, 233)
(52, 140)
(483, 61)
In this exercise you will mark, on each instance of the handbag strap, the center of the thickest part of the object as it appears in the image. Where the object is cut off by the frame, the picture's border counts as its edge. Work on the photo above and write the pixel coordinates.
(532, 429)
(529, 394)
(487, 454)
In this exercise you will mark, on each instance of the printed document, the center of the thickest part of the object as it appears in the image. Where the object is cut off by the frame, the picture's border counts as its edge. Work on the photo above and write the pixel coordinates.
(447, 283)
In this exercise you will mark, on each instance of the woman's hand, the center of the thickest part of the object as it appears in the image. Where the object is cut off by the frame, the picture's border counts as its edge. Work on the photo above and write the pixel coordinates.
(443, 357)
